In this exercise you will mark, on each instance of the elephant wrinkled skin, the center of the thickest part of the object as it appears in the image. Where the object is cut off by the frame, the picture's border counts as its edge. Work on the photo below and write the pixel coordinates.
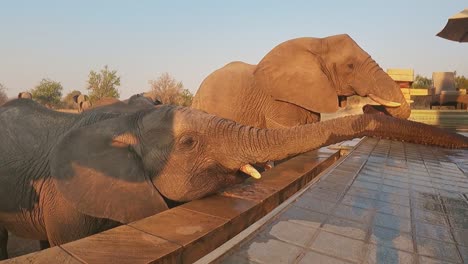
(297, 81)
(66, 176)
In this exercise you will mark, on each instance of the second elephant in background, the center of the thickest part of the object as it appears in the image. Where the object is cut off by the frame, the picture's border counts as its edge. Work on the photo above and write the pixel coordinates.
(297, 81)
(82, 101)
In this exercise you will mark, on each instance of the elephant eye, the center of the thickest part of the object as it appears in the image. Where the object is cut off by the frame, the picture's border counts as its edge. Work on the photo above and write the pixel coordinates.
(187, 142)
(350, 66)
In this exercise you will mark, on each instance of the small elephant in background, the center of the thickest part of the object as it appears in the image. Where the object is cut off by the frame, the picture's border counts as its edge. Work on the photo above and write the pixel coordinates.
(82, 101)
(297, 81)
(25, 95)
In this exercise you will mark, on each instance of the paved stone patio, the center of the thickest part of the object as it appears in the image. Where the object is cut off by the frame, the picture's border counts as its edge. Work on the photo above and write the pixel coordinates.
(386, 202)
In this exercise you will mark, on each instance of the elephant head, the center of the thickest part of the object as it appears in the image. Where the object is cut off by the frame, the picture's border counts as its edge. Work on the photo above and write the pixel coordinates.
(314, 72)
(143, 99)
(127, 167)
(82, 101)
(25, 95)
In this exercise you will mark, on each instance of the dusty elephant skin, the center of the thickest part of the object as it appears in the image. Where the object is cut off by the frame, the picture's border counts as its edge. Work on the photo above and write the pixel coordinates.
(297, 81)
(134, 103)
(66, 176)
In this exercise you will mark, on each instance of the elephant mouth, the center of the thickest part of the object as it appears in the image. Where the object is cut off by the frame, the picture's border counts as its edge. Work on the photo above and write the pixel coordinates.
(375, 109)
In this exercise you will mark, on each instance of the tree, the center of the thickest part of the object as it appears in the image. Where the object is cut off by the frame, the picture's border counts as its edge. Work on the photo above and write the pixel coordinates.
(67, 101)
(103, 84)
(169, 91)
(421, 82)
(461, 82)
(3, 95)
(48, 93)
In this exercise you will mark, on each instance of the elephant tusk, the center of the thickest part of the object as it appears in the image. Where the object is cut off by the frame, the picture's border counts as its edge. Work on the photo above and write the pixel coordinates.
(383, 101)
(251, 171)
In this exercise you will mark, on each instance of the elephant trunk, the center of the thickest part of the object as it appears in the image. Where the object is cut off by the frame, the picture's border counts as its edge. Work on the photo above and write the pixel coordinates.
(384, 89)
(262, 145)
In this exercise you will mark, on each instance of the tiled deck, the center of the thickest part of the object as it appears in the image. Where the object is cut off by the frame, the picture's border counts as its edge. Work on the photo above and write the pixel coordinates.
(387, 202)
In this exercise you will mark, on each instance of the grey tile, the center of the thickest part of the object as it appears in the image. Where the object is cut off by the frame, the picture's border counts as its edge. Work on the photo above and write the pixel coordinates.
(434, 231)
(430, 217)
(428, 260)
(359, 201)
(464, 253)
(346, 228)
(370, 194)
(461, 236)
(437, 249)
(393, 222)
(270, 251)
(290, 232)
(395, 190)
(236, 259)
(314, 257)
(394, 198)
(317, 205)
(339, 246)
(353, 213)
(392, 238)
(367, 185)
(328, 195)
(303, 217)
(427, 205)
(393, 209)
(380, 254)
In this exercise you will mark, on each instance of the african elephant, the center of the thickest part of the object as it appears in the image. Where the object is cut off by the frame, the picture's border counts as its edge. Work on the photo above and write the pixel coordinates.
(65, 176)
(134, 103)
(297, 81)
(82, 101)
(25, 95)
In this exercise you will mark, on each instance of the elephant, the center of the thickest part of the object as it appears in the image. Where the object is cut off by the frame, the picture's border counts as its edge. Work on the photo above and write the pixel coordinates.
(134, 103)
(65, 176)
(25, 95)
(297, 81)
(82, 101)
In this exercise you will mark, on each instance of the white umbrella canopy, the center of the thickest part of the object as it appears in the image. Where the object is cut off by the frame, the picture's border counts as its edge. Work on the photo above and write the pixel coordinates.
(456, 28)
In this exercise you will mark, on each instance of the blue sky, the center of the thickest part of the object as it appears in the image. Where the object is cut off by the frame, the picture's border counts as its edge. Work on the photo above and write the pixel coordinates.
(64, 40)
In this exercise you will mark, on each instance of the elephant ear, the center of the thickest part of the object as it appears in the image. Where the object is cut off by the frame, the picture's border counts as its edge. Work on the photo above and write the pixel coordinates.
(294, 72)
(97, 169)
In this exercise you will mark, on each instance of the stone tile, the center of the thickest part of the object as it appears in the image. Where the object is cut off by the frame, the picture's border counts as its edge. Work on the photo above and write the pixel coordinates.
(394, 199)
(458, 221)
(358, 201)
(317, 205)
(430, 217)
(395, 190)
(328, 195)
(372, 179)
(314, 257)
(464, 253)
(366, 193)
(236, 259)
(437, 249)
(380, 254)
(395, 183)
(427, 260)
(50, 255)
(434, 231)
(346, 228)
(331, 186)
(353, 213)
(123, 244)
(197, 233)
(220, 206)
(290, 232)
(392, 238)
(339, 246)
(393, 209)
(270, 251)
(303, 217)
(461, 236)
(367, 185)
(393, 222)
(427, 205)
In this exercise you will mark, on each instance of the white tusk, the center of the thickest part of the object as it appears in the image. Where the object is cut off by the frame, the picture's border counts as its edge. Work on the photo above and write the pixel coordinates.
(383, 101)
(251, 171)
